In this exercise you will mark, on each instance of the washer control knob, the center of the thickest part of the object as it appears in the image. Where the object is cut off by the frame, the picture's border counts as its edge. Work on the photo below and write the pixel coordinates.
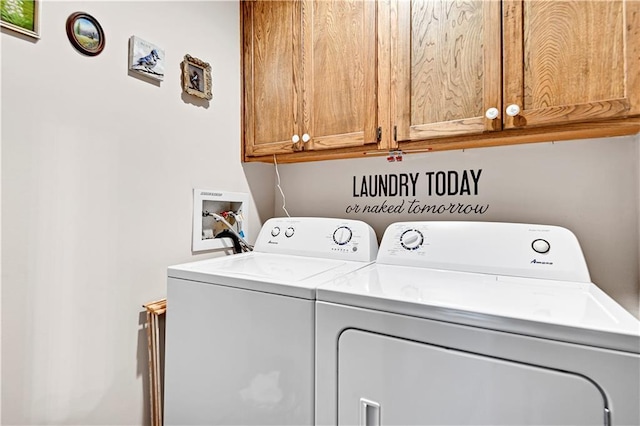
(275, 231)
(411, 239)
(342, 235)
(541, 246)
(289, 232)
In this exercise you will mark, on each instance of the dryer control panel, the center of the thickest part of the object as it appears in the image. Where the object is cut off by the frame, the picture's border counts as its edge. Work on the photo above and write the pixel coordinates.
(515, 249)
(318, 237)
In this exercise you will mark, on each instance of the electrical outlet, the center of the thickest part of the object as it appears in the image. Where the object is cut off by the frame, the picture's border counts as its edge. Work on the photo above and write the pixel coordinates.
(216, 214)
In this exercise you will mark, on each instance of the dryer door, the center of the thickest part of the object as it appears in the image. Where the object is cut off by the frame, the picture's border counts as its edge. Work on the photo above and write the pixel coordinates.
(389, 381)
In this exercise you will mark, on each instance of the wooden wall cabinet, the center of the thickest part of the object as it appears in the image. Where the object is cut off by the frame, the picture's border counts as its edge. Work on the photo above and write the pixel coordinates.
(569, 61)
(329, 79)
(447, 56)
(309, 76)
(473, 67)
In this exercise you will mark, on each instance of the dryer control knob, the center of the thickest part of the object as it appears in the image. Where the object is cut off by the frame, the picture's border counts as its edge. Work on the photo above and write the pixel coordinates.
(541, 246)
(289, 232)
(342, 235)
(275, 231)
(411, 239)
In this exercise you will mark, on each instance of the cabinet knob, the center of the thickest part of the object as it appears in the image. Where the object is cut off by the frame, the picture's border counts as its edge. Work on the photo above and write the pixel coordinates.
(295, 138)
(513, 110)
(492, 113)
(306, 138)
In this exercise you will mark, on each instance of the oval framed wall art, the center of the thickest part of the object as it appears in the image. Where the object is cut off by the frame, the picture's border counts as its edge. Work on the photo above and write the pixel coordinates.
(85, 33)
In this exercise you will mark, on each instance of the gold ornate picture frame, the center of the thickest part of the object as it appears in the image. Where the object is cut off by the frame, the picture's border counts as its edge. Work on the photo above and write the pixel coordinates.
(196, 77)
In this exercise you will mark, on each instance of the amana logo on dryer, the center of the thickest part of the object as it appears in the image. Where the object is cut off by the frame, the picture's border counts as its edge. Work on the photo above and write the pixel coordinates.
(541, 263)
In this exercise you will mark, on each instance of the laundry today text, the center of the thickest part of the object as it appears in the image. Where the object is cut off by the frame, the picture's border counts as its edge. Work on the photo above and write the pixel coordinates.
(438, 183)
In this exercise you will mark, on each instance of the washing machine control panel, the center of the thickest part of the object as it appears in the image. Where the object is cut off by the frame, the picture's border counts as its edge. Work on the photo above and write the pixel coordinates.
(319, 237)
(515, 249)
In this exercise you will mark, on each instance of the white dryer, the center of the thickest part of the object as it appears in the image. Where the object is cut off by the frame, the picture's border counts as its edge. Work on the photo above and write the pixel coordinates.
(240, 329)
(467, 323)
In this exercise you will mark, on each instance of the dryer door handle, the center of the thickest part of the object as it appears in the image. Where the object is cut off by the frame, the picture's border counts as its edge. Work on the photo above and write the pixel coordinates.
(369, 412)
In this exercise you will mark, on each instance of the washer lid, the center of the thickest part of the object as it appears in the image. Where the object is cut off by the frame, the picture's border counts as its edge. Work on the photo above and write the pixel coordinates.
(287, 275)
(560, 310)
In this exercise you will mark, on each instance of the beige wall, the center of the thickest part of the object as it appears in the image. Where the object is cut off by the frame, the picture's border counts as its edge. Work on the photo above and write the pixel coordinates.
(97, 173)
(589, 186)
(1, 237)
(97, 170)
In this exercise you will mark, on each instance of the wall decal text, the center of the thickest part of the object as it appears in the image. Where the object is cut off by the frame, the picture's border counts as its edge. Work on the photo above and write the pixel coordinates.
(441, 183)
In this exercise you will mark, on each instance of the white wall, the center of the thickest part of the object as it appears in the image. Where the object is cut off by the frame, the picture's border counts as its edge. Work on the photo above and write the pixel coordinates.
(589, 186)
(0, 240)
(97, 170)
(97, 173)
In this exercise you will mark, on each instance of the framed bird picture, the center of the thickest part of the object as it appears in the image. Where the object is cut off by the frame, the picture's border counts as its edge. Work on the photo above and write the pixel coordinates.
(196, 77)
(146, 59)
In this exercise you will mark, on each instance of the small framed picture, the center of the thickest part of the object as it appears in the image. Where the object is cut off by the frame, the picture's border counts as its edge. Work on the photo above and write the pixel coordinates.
(85, 33)
(146, 58)
(22, 16)
(196, 77)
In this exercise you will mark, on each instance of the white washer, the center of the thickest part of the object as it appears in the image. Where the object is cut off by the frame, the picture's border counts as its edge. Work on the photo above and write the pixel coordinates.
(240, 329)
(475, 324)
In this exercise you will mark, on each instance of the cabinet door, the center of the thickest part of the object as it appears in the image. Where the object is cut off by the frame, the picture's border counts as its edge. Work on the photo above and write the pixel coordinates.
(448, 59)
(272, 86)
(339, 58)
(569, 61)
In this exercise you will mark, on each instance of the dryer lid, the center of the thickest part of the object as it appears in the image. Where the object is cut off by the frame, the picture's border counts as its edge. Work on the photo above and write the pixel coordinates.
(560, 310)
